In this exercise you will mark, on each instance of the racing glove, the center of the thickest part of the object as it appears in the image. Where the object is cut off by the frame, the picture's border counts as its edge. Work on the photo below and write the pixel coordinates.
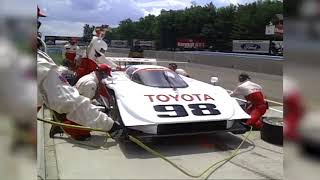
(117, 131)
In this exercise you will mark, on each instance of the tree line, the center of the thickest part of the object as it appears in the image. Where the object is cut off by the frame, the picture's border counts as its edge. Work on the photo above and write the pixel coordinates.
(217, 26)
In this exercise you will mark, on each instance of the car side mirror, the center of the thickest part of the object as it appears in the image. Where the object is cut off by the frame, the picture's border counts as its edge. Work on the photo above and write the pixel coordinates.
(214, 80)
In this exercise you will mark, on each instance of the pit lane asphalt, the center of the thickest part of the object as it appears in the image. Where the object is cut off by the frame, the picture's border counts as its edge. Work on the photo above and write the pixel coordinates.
(68, 159)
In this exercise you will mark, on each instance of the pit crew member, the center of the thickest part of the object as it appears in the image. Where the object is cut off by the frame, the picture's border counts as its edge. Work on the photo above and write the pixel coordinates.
(256, 103)
(174, 67)
(55, 92)
(88, 84)
(70, 53)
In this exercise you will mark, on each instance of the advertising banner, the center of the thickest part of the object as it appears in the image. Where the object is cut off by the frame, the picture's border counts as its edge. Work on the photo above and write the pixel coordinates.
(251, 46)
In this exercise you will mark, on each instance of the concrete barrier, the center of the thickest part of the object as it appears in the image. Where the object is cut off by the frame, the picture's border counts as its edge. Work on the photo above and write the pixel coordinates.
(256, 64)
(253, 63)
(246, 62)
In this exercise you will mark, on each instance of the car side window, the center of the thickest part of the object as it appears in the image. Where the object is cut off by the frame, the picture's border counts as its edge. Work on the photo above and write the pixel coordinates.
(130, 71)
(136, 78)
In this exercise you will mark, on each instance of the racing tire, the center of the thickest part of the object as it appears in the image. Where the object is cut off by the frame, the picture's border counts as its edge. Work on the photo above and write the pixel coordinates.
(310, 147)
(115, 115)
(272, 130)
(114, 112)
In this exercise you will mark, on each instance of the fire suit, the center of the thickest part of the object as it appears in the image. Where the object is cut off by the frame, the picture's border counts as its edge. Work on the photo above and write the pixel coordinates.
(90, 51)
(86, 66)
(18, 83)
(294, 108)
(87, 85)
(182, 72)
(257, 106)
(55, 92)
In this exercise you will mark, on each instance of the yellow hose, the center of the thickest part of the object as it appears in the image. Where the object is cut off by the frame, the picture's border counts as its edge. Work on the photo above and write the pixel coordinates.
(142, 145)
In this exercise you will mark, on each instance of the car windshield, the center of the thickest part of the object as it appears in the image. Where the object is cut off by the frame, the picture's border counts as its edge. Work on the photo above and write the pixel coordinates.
(161, 78)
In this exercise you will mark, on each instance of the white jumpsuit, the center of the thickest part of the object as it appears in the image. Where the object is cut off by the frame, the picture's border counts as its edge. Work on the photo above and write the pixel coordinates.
(246, 88)
(87, 85)
(90, 51)
(182, 72)
(55, 92)
(18, 83)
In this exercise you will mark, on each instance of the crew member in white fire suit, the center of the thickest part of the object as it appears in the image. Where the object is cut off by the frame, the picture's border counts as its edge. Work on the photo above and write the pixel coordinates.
(256, 103)
(18, 93)
(55, 92)
(88, 84)
(71, 53)
(174, 67)
(88, 65)
(98, 34)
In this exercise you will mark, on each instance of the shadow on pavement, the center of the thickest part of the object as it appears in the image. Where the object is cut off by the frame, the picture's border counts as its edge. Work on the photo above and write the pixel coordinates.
(184, 145)
(96, 142)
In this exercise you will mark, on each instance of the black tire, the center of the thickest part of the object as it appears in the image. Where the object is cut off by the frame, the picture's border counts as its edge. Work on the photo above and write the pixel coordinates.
(310, 148)
(272, 130)
(116, 116)
(115, 113)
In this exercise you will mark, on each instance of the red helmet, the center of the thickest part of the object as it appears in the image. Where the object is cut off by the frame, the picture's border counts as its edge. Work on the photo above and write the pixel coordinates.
(104, 68)
(40, 13)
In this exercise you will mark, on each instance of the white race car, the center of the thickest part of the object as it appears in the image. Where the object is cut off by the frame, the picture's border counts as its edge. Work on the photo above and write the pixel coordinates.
(152, 100)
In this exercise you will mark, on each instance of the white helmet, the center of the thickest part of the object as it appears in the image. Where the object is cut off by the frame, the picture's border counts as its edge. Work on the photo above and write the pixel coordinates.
(100, 47)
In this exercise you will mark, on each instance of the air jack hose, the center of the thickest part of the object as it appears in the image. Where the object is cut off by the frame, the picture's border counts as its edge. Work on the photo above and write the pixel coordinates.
(145, 147)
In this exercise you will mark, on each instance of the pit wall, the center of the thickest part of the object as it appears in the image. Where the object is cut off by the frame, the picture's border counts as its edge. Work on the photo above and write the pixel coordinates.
(253, 63)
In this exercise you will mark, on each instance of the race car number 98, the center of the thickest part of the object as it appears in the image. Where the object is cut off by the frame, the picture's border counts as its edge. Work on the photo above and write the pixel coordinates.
(176, 110)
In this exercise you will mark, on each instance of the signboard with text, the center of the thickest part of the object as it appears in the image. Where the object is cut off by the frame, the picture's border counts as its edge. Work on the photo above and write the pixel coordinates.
(251, 46)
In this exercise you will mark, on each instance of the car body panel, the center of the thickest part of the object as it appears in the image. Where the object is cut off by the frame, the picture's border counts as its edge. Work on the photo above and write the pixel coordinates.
(141, 105)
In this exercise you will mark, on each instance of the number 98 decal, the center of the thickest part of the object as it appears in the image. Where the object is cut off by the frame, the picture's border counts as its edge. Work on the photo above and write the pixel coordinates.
(176, 110)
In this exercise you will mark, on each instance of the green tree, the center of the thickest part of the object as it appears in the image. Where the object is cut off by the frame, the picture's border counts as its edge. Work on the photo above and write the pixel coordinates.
(251, 19)
(218, 26)
(87, 32)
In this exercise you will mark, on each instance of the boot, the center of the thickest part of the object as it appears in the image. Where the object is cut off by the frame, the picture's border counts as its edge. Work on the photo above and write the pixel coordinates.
(55, 130)
(76, 134)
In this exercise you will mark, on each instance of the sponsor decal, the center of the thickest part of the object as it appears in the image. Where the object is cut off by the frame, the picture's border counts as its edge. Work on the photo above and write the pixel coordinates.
(250, 46)
(178, 98)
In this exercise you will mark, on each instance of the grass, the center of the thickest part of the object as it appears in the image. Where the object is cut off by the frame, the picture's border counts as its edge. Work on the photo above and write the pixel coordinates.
(56, 56)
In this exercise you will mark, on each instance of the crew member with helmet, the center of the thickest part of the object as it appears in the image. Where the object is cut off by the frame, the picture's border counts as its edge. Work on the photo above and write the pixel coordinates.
(90, 64)
(71, 53)
(256, 103)
(56, 93)
(98, 34)
(96, 55)
(174, 67)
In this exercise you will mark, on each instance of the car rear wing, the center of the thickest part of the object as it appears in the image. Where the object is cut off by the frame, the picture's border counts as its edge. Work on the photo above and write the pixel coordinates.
(132, 61)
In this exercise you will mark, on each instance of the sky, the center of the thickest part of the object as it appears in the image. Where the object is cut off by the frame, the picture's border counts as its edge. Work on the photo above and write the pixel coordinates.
(67, 17)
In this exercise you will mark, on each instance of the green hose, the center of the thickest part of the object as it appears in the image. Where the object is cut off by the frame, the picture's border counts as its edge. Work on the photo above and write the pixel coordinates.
(142, 145)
